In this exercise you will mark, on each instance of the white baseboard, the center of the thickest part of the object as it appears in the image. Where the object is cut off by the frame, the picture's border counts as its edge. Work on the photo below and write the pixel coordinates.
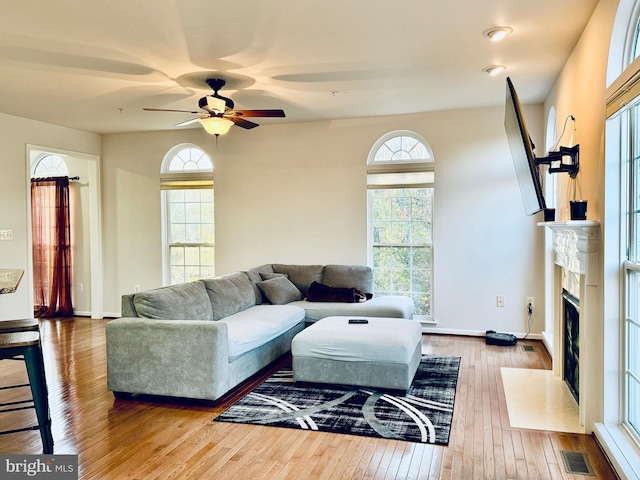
(547, 339)
(427, 328)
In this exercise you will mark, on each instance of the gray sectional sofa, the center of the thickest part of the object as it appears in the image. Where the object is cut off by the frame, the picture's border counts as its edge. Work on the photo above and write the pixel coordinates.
(200, 339)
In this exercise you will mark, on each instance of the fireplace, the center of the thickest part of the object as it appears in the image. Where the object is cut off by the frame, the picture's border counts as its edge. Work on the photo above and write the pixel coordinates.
(571, 341)
(574, 338)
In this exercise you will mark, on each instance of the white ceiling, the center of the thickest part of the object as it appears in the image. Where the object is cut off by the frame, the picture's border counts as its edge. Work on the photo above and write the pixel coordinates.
(93, 64)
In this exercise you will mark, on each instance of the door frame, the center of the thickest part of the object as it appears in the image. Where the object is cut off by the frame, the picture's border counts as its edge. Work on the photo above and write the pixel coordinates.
(95, 222)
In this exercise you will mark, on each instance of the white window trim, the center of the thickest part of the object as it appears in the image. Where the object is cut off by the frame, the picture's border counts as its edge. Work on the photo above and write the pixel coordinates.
(612, 435)
(424, 168)
(398, 133)
(177, 180)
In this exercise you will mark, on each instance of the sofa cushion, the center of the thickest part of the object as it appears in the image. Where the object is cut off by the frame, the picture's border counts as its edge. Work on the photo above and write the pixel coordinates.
(185, 301)
(280, 290)
(390, 306)
(230, 294)
(254, 275)
(258, 325)
(349, 276)
(301, 275)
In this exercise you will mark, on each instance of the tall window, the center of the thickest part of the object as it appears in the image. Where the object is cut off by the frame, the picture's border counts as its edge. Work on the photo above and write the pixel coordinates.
(400, 183)
(632, 267)
(627, 122)
(188, 201)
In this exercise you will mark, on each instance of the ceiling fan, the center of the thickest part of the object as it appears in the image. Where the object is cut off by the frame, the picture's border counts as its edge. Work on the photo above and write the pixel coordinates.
(217, 114)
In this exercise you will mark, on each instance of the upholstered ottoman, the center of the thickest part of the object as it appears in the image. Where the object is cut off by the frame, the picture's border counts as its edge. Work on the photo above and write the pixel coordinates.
(383, 353)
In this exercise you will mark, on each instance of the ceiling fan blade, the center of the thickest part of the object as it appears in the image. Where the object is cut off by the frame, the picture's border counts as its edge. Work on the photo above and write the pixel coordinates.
(149, 109)
(256, 113)
(187, 122)
(241, 122)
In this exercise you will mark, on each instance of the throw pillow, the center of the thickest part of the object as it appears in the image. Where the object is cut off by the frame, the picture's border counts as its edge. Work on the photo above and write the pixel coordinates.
(280, 290)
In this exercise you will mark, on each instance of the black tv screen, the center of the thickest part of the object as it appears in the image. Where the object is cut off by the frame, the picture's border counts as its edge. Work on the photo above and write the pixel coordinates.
(524, 160)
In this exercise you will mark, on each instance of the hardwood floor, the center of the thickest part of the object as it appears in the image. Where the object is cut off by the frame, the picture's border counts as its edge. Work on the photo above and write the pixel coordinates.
(165, 439)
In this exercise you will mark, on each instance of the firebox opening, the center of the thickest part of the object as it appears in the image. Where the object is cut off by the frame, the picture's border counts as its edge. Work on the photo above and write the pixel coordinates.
(571, 348)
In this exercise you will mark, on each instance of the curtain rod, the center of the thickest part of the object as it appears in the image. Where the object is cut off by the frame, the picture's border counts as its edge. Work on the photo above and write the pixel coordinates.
(74, 179)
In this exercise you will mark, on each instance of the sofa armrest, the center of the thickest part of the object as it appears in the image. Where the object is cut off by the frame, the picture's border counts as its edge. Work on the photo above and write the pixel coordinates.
(180, 358)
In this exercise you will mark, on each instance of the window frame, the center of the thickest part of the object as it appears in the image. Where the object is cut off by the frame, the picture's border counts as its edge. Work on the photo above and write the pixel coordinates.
(630, 165)
(420, 169)
(59, 172)
(184, 179)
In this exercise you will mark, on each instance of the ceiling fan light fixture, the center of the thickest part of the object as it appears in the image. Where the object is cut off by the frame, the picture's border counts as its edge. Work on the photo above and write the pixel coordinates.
(494, 70)
(495, 34)
(216, 125)
(216, 104)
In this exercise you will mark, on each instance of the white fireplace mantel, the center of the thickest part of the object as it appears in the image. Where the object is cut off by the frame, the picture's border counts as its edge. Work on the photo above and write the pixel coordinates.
(575, 250)
(574, 240)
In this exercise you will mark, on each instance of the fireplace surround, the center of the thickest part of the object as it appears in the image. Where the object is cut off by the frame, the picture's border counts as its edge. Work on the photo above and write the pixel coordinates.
(575, 246)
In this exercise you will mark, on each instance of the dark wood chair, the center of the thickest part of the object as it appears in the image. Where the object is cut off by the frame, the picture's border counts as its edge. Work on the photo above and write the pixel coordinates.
(21, 339)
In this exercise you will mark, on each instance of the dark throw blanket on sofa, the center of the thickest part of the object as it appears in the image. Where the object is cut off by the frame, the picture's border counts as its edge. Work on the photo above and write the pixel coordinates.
(319, 292)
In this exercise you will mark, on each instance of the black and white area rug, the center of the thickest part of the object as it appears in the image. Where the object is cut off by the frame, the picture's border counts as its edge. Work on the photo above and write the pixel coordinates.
(423, 415)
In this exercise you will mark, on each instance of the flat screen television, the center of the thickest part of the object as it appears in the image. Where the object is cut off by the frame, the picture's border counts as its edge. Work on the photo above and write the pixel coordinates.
(524, 160)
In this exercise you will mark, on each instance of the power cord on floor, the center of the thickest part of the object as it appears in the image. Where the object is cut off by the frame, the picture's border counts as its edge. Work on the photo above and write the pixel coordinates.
(530, 315)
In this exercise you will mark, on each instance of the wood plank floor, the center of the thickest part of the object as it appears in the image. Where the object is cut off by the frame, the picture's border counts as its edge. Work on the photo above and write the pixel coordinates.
(165, 439)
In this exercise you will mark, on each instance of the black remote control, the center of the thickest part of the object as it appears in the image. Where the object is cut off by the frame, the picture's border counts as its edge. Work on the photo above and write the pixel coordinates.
(358, 320)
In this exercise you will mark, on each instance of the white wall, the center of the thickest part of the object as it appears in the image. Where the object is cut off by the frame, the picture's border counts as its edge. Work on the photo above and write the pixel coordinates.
(80, 234)
(580, 91)
(15, 134)
(297, 194)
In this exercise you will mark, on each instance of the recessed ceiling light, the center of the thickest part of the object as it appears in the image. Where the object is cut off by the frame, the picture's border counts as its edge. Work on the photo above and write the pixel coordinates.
(494, 69)
(495, 34)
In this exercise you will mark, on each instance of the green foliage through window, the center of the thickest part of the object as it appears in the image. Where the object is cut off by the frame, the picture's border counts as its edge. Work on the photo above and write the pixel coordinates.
(402, 250)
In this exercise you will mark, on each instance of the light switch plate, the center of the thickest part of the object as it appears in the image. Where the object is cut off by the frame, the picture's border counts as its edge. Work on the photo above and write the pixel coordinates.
(6, 234)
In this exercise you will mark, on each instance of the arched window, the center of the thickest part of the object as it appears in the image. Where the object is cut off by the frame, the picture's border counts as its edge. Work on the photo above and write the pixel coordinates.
(50, 165)
(400, 147)
(635, 51)
(400, 184)
(188, 211)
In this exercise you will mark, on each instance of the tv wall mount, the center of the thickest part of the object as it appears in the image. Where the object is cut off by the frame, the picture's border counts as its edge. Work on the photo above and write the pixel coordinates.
(556, 162)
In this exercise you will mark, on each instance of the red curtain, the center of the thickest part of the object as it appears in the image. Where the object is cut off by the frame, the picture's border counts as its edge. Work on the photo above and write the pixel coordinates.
(51, 247)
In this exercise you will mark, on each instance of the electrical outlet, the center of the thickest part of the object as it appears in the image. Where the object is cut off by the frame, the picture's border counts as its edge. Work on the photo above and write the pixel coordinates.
(500, 301)
(80, 287)
(529, 300)
(6, 234)
(136, 288)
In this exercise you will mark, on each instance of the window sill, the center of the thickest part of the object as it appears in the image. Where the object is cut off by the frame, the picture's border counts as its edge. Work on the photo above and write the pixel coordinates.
(621, 450)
